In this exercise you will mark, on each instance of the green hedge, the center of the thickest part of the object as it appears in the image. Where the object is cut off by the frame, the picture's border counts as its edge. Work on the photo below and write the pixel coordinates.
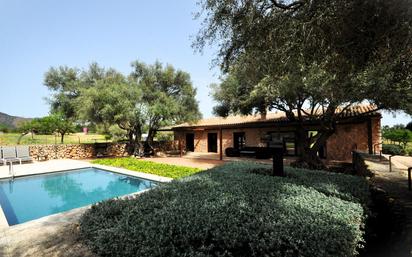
(392, 149)
(160, 169)
(346, 187)
(224, 212)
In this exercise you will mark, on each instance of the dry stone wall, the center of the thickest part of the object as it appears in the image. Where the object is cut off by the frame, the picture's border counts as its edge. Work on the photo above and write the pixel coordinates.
(76, 151)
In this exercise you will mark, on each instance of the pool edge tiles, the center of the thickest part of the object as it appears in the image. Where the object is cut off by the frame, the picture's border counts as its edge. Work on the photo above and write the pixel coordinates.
(148, 183)
(3, 220)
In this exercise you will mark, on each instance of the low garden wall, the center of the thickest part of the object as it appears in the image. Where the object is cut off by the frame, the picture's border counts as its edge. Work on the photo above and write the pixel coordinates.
(86, 151)
(77, 151)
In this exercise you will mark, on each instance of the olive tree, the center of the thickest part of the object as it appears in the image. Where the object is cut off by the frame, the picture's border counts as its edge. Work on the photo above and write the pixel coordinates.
(311, 59)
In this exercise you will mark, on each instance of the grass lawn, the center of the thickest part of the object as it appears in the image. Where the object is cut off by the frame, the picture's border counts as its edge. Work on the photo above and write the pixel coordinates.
(160, 169)
(11, 139)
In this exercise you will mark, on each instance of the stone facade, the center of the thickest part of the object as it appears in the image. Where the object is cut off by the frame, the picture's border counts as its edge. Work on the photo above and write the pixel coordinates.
(348, 137)
(75, 151)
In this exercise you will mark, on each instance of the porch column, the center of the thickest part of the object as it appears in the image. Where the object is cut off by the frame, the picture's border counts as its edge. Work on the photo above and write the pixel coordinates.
(220, 145)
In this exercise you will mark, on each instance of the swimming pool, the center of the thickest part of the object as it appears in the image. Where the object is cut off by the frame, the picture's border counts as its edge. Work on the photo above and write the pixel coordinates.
(33, 197)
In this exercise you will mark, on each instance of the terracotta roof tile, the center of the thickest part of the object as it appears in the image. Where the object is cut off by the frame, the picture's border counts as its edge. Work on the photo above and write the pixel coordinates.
(270, 117)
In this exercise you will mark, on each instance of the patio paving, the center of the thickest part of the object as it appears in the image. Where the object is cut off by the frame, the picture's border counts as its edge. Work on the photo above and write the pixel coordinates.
(209, 160)
(57, 235)
(187, 161)
(402, 162)
(53, 235)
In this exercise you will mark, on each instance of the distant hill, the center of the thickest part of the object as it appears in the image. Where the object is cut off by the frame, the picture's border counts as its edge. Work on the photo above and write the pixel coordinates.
(11, 121)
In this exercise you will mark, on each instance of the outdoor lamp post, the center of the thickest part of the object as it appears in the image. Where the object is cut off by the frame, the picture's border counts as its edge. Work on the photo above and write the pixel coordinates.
(277, 148)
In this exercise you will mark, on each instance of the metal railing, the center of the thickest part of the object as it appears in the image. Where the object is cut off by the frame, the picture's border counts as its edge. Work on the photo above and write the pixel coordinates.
(11, 170)
(374, 149)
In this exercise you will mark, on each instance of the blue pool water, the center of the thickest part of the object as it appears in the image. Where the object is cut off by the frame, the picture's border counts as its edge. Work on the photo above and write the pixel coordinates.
(30, 198)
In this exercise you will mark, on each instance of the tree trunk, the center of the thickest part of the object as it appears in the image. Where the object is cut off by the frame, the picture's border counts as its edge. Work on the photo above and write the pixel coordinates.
(148, 148)
(137, 144)
(62, 138)
(308, 153)
(130, 145)
(20, 137)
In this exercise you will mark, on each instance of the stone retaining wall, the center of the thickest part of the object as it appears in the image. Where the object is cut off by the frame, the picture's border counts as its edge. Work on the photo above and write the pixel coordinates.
(76, 151)
(86, 151)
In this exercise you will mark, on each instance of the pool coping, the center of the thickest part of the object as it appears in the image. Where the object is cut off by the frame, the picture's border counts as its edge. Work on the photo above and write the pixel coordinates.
(4, 225)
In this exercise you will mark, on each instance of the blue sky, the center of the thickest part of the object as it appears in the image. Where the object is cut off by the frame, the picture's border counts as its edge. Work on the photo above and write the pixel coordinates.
(36, 35)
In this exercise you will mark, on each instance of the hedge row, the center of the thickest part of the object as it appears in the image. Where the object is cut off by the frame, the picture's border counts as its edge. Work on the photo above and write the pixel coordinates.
(226, 213)
(346, 187)
(393, 149)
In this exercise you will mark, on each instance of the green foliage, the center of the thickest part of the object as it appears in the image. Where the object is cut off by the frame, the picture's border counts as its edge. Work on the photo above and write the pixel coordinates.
(310, 59)
(164, 136)
(150, 97)
(5, 128)
(44, 139)
(117, 134)
(392, 149)
(168, 94)
(113, 100)
(164, 170)
(346, 187)
(409, 151)
(399, 135)
(48, 125)
(227, 212)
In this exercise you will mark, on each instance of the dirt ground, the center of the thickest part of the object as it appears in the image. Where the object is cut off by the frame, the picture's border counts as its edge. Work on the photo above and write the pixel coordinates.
(398, 220)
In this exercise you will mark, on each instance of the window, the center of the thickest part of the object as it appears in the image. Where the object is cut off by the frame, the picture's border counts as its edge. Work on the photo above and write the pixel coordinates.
(288, 138)
(239, 140)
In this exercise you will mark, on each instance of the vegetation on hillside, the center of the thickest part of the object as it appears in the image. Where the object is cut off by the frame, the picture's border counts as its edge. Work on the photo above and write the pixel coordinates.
(10, 122)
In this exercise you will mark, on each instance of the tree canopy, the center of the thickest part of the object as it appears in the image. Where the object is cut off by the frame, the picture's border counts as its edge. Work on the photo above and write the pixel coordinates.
(150, 97)
(312, 59)
(402, 136)
(168, 95)
(53, 123)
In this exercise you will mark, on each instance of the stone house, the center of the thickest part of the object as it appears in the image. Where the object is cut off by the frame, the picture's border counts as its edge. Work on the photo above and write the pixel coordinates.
(358, 129)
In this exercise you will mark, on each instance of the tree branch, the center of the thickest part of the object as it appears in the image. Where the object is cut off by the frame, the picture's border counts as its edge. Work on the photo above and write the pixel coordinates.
(292, 6)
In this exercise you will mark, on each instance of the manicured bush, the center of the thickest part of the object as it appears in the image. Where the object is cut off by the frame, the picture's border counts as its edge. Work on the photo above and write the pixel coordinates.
(160, 169)
(224, 212)
(409, 151)
(346, 187)
(392, 149)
